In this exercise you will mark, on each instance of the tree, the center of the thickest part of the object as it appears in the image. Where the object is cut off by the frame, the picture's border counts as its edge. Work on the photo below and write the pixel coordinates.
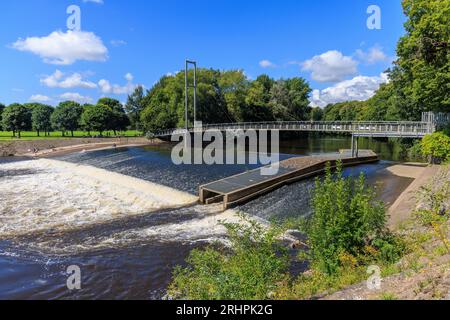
(317, 114)
(2, 107)
(96, 117)
(290, 100)
(436, 146)
(118, 119)
(40, 118)
(67, 116)
(233, 86)
(422, 73)
(16, 118)
(135, 106)
(258, 100)
(346, 218)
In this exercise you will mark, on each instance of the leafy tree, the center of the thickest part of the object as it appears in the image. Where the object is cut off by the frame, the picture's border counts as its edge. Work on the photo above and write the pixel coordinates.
(346, 218)
(135, 106)
(317, 114)
(436, 146)
(96, 118)
(119, 120)
(233, 85)
(290, 99)
(40, 118)
(258, 100)
(424, 55)
(16, 118)
(67, 116)
(2, 107)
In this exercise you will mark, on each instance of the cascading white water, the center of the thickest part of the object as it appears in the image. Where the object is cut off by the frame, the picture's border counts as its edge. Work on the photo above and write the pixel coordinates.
(48, 194)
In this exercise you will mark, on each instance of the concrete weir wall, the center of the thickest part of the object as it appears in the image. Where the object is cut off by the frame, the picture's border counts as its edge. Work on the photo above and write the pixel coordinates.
(252, 188)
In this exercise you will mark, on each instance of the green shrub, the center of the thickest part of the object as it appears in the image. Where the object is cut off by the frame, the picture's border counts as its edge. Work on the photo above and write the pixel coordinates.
(346, 219)
(250, 269)
(437, 147)
(434, 212)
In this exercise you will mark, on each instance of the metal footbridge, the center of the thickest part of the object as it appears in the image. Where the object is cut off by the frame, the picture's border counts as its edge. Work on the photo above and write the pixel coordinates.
(400, 129)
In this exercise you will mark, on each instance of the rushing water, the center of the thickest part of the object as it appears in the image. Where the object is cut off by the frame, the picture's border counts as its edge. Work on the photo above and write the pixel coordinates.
(132, 256)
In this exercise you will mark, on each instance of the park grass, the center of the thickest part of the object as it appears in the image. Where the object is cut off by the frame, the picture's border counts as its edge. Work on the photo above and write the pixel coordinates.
(30, 135)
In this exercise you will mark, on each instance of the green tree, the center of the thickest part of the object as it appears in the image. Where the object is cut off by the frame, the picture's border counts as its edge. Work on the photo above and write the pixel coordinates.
(436, 147)
(233, 85)
(96, 118)
(317, 114)
(422, 72)
(119, 120)
(40, 118)
(16, 118)
(258, 100)
(135, 106)
(346, 218)
(67, 116)
(290, 100)
(2, 107)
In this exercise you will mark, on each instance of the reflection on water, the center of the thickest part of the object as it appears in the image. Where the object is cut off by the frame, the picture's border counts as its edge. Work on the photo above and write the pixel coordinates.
(132, 256)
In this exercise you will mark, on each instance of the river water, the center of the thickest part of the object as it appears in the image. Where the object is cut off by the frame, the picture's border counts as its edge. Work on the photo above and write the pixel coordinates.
(132, 255)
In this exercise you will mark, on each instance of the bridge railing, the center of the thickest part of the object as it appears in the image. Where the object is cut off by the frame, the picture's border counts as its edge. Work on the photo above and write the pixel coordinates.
(396, 128)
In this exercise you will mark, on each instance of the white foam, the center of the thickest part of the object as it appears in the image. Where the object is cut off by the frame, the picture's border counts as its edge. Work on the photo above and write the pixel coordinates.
(61, 195)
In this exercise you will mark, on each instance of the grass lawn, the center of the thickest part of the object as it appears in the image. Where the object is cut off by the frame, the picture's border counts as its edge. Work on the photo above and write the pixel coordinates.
(8, 136)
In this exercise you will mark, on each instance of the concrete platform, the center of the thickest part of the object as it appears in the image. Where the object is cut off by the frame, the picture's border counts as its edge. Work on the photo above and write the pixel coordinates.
(243, 187)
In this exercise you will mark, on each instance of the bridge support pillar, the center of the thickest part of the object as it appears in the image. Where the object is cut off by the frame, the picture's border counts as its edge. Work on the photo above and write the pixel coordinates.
(355, 147)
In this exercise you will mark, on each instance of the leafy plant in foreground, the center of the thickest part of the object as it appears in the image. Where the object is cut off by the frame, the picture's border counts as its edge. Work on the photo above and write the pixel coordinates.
(346, 219)
(250, 269)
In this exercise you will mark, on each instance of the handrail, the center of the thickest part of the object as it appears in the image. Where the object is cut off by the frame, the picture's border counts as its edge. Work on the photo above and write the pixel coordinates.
(406, 128)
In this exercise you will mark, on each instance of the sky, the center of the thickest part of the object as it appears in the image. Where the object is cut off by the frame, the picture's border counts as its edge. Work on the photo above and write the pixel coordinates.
(120, 44)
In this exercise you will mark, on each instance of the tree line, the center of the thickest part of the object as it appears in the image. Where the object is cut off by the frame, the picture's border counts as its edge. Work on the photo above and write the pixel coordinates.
(225, 96)
(69, 116)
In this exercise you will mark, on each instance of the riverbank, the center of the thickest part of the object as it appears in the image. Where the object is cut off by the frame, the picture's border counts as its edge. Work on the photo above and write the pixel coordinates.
(50, 148)
(424, 272)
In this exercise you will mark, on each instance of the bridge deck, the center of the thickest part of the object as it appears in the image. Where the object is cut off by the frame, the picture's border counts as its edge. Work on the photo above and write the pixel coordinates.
(369, 129)
(248, 185)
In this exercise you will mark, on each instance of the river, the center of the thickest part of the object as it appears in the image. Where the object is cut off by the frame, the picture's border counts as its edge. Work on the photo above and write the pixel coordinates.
(132, 256)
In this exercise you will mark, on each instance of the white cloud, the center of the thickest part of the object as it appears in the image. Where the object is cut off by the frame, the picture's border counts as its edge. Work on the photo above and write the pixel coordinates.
(40, 98)
(118, 43)
(74, 96)
(359, 88)
(107, 88)
(60, 80)
(65, 48)
(266, 64)
(129, 77)
(372, 56)
(331, 66)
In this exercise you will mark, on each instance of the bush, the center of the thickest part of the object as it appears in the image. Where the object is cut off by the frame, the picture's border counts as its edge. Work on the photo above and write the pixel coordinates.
(250, 269)
(434, 212)
(436, 147)
(345, 220)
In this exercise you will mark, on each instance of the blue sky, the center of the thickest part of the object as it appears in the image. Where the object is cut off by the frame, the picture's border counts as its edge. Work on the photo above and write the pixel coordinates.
(125, 43)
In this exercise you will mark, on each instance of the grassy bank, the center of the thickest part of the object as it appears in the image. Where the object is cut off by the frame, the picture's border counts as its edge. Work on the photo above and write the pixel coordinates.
(30, 135)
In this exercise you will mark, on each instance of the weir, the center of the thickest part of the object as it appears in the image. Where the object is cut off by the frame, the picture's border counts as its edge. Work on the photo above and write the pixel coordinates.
(246, 186)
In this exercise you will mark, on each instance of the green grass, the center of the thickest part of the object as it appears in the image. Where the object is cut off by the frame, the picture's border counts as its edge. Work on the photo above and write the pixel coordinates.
(27, 136)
